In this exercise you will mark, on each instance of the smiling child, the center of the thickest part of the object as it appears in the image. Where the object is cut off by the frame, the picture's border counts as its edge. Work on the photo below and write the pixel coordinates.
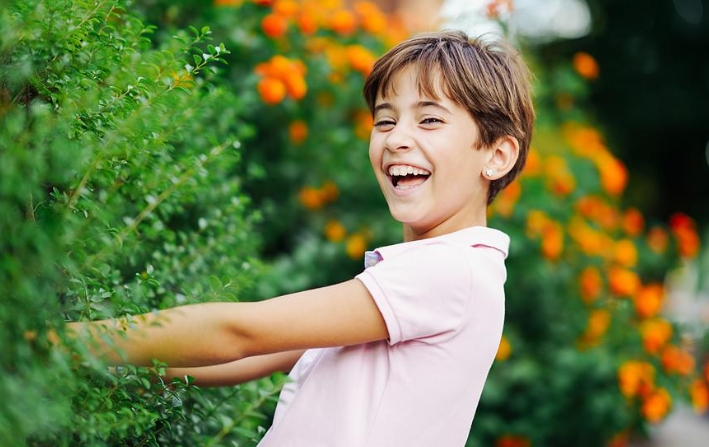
(398, 355)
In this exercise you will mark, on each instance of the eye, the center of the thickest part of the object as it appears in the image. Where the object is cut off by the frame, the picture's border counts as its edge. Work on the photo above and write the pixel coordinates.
(431, 121)
(384, 124)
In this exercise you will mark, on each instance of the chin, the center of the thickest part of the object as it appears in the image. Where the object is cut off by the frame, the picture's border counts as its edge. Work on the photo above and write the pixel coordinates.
(413, 221)
(403, 216)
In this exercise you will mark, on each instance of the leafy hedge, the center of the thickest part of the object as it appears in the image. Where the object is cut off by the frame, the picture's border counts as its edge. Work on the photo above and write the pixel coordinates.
(137, 172)
(117, 196)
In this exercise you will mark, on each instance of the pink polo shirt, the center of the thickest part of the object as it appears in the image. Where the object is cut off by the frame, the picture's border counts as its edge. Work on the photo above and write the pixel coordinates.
(443, 303)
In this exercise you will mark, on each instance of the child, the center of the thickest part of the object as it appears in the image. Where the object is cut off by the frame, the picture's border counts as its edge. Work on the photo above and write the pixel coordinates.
(397, 356)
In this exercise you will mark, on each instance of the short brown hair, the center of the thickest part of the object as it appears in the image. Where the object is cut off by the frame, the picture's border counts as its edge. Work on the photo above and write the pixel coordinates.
(489, 79)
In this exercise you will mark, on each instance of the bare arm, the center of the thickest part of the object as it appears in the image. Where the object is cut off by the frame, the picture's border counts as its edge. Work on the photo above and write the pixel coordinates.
(219, 333)
(238, 371)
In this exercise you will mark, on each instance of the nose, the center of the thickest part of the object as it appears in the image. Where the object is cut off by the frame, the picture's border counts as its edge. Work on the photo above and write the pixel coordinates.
(399, 138)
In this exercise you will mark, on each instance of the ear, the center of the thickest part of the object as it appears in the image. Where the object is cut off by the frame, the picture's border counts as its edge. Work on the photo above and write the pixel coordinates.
(501, 158)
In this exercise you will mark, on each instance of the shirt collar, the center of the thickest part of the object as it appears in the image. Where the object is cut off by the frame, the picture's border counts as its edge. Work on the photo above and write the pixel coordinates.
(471, 236)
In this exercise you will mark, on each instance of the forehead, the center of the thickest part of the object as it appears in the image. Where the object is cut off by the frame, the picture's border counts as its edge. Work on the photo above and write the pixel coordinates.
(428, 81)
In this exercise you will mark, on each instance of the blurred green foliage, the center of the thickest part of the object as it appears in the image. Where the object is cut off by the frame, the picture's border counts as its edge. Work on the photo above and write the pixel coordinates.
(651, 97)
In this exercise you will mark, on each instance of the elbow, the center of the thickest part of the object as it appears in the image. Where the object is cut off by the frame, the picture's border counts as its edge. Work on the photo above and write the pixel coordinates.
(235, 343)
(245, 334)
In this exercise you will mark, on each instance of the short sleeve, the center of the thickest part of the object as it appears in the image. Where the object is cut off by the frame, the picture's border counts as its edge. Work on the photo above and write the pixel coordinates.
(422, 292)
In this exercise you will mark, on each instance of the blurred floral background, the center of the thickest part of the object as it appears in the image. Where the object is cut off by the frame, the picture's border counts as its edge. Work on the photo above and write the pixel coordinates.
(161, 152)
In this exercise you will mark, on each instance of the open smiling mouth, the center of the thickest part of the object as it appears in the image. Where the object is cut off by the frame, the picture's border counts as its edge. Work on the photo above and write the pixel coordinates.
(407, 177)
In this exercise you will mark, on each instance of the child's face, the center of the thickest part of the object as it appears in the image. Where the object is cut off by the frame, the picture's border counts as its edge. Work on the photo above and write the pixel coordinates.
(425, 158)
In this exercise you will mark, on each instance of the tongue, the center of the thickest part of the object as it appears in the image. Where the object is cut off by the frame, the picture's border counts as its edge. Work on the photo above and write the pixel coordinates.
(410, 181)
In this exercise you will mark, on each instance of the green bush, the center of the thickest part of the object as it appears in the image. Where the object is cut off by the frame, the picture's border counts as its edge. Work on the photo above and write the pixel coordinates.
(117, 196)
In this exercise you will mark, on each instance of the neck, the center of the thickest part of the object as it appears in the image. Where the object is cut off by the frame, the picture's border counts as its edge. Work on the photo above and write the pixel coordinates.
(414, 234)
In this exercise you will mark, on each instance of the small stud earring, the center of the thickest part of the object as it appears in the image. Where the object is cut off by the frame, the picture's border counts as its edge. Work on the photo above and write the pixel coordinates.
(488, 172)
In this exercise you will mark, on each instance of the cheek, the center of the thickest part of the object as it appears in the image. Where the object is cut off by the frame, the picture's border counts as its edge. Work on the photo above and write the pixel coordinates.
(375, 155)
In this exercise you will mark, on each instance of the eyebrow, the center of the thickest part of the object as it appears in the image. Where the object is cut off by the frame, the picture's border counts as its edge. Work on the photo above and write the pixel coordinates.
(418, 105)
(435, 104)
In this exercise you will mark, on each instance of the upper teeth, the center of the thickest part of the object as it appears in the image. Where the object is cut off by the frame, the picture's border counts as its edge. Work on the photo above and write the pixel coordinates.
(406, 170)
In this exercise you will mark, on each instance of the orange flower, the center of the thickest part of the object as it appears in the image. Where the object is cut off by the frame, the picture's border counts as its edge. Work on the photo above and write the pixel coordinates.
(633, 222)
(584, 141)
(296, 86)
(625, 253)
(684, 230)
(681, 220)
(306, 23)
(288, 72)
(298, 132)
(598, 322)
(285, 8)
(512, 441)
(677, 360)
(533, 164)
(591, 206)
(343, 22)
(585, 65)
(272, 90)
(560, 179)
(504, 350)
(311, 198)
(365, 7)
(597, 209)
(656, 405)
(334, 231)
(699, 392)
(372, 18)
(315, 198)
(330, 191)
(536, 221)
(274, 25)
(591, 242)
(648, 300)
(336, 56)
(228, 2)
(620, 439)
(636, 378)
(655, 334)
(552, 241)
(657, 240)
(591, 284)
(276, 67)
(563, 184)
(298, 67)
(505, 202)
(551, 232)
(614, 174)
(623, 282)
(360, 58)
(263, 2)
(356, 246)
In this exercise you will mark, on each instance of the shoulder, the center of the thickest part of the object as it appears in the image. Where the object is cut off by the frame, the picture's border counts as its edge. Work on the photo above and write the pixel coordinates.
(438, 261)
(424, 289)
(453, 253)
